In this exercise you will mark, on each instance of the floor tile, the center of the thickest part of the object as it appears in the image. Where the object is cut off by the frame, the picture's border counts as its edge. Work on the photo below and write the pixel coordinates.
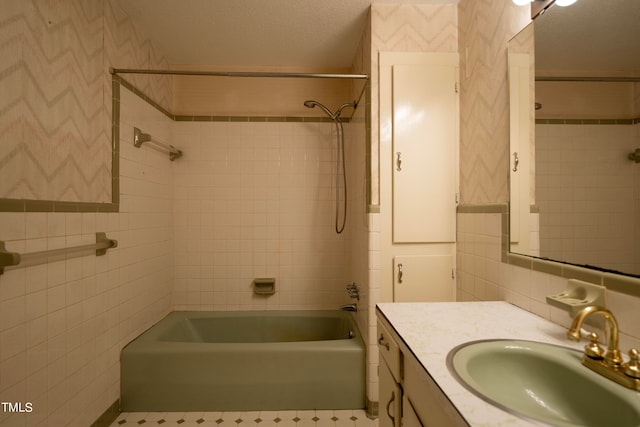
(307, 418)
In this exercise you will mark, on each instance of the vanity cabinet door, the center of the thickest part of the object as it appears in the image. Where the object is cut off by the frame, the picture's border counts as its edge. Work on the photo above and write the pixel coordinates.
(390, 398)
(432, 408)
(409, 416)
(389, 352)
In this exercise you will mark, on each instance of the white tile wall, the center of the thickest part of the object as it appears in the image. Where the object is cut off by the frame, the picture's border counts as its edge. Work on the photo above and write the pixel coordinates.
(62, 324)
(483, 277)
(255, 199)
(365, 248)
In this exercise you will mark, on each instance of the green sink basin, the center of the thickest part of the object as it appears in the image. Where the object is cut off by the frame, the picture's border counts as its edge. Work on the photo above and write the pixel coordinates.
(543, 382)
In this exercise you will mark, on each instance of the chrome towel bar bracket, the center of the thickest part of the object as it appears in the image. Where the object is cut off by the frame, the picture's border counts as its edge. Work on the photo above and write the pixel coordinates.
(140, 137)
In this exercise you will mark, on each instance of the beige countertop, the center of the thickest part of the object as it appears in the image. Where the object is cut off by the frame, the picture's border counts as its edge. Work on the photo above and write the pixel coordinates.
(431, 330)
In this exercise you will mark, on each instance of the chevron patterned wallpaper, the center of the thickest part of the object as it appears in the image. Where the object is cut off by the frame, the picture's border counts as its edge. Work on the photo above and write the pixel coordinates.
(405, 28)
(55, 111)
(414, 28)
(127, 47)
(485, 27)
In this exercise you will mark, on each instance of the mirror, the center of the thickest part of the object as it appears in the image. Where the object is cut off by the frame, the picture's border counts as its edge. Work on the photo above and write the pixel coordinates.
(574, 80)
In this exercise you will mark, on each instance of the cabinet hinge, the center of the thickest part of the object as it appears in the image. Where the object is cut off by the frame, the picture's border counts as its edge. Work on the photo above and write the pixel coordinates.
(457, 88)
(457, 199)
(453, 273)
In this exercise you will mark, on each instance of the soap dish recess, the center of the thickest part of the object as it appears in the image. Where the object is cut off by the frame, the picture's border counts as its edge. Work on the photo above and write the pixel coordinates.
(577, 296)
(264, 286)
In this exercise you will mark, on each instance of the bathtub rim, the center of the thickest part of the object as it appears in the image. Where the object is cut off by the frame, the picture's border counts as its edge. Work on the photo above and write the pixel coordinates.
(149, 339)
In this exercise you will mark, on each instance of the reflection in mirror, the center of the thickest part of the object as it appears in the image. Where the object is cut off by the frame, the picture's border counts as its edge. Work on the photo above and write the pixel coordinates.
(574, 76)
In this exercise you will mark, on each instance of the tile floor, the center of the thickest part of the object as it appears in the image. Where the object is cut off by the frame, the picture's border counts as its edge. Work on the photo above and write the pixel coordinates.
(312, 418)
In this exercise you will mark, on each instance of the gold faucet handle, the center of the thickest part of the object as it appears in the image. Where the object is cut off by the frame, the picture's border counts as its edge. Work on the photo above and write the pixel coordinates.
(632, 367)
(593, 349)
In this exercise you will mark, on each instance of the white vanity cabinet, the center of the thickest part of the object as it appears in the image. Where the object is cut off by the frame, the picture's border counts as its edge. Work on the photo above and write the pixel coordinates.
(425, 334)
(408, 395)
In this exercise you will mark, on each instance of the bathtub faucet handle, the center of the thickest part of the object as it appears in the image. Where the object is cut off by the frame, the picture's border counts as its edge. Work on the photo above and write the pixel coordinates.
(354, 291)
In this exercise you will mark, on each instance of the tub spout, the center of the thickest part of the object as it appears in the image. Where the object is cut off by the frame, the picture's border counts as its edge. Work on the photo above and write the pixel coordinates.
(349, 307)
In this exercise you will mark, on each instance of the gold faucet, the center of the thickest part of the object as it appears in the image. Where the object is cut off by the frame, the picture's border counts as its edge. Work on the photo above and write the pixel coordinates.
(610, 365)
(612, 356)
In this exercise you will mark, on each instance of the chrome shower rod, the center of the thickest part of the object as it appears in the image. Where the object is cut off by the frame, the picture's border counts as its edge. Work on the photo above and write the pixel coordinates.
(238, 74)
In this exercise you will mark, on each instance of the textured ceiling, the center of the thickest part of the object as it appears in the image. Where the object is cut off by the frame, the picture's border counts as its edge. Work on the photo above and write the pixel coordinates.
(324, 34)
(307, 34)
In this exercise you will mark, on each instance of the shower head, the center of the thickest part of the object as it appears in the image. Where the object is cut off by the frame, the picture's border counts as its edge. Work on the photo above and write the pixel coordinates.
(311, 104)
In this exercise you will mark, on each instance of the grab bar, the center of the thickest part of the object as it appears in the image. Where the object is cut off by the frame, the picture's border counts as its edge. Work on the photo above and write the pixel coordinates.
(14, 259)
(139, 137)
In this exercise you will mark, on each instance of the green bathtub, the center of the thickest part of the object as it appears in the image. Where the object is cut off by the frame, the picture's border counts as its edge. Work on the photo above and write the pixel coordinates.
(245, 361)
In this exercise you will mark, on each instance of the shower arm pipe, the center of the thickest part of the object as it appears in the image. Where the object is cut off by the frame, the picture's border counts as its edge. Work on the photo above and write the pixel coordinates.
(238, 74)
